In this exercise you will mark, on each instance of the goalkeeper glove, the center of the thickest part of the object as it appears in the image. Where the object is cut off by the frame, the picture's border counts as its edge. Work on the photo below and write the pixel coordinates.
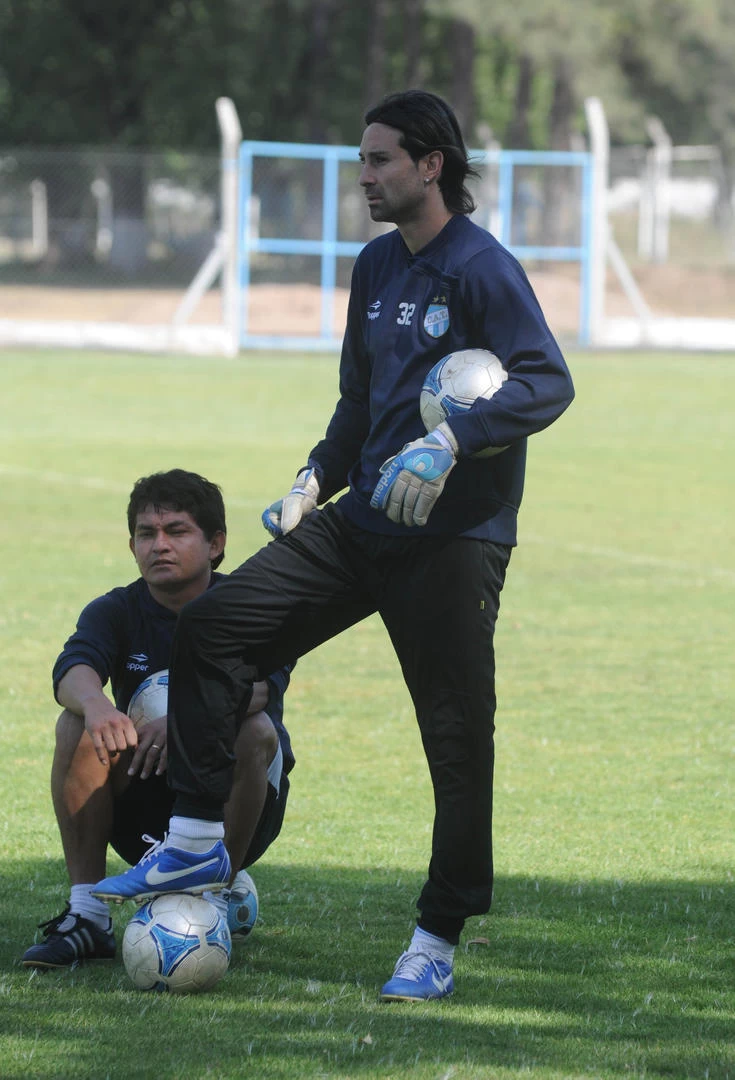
(413, 480)
(285, 514)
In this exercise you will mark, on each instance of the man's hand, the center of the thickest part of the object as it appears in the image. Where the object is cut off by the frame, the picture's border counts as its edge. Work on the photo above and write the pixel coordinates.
(111, 731)
(285, 514)
(152, 750)
(413, 480)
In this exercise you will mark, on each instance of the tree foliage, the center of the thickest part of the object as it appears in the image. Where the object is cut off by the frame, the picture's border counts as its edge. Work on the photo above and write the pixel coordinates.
(147, 74)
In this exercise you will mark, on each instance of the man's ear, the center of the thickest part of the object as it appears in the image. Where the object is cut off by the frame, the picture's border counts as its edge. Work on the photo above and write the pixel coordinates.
(433, 165)
(217, 544)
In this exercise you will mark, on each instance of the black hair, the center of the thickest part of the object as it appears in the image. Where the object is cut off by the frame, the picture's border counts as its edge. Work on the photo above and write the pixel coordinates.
(178, 489)
(427, 123)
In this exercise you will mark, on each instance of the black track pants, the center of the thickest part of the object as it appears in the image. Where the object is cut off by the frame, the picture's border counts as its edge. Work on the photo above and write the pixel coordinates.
(438, 598)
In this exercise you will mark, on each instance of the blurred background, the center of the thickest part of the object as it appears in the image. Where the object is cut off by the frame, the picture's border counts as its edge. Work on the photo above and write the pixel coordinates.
(110, 181)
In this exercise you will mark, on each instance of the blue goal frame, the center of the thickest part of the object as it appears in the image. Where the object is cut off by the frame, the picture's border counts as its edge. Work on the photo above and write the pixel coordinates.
(329, 247)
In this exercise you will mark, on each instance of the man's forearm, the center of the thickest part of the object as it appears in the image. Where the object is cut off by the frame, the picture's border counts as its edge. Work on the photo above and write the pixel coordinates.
(80, 686)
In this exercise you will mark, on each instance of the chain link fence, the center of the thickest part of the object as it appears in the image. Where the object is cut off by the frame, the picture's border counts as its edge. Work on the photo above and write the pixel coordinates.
(103, 234)
(672, 204)
(671, 213)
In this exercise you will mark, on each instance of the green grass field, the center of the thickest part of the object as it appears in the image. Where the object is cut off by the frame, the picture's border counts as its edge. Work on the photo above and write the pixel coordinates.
(610, 950)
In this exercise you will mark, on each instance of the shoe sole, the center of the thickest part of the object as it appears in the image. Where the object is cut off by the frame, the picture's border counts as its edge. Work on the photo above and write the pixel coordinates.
(239, 935)
(142, 898)
(415, 1000)
(39, 965)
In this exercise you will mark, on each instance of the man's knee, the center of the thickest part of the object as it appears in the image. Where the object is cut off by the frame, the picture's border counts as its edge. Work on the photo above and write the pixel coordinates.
(71, 737)
(69, 726)
(75, 758)
(257, 737)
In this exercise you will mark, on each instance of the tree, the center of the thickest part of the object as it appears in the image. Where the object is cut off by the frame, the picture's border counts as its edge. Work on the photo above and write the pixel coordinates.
(563, 45)
(462, 48)
(147, 74)
(518, 131)
(687, 75)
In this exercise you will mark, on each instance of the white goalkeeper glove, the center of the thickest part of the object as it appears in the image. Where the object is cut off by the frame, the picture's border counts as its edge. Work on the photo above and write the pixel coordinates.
(285, 514)
(414, 479)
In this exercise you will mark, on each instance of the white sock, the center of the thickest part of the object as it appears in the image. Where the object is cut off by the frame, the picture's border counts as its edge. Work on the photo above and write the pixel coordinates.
(81, 902)
(437, 947)
(194, 834)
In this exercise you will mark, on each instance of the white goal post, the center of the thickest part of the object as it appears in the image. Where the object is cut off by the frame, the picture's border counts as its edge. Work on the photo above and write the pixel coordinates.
(642, 328)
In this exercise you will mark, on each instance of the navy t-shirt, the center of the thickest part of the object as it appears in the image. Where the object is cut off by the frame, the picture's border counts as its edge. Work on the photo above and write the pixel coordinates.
(462, 290)
(126, 636)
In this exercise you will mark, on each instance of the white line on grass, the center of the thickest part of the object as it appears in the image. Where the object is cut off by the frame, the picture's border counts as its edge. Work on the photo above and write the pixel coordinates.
(615, 554)
(48, 476)
(698, 570)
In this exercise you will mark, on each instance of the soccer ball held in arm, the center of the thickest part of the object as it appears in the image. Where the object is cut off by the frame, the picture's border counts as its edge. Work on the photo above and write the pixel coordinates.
(456, 382)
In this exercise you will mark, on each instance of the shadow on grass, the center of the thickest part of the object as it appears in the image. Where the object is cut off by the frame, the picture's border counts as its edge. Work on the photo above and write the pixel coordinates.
(598, 978)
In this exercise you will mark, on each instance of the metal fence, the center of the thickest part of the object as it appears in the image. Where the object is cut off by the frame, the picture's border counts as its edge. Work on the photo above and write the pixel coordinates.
(84, 230)
(672, 205)
(114, 239)
(304, 219)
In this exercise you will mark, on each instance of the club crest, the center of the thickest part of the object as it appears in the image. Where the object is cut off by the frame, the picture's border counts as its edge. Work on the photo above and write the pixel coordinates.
(436, 320)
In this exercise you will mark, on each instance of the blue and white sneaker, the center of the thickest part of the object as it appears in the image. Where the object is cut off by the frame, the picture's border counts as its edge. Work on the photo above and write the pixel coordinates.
(168, 870)
(242, 905)
(418, 977)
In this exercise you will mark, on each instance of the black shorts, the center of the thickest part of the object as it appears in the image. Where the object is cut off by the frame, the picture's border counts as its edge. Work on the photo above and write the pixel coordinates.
(145, 808)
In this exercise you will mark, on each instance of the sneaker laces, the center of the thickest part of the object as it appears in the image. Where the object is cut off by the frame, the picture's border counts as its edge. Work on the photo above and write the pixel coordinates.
(69, 921)
(51, 925)
(412, 965)
(155, 845)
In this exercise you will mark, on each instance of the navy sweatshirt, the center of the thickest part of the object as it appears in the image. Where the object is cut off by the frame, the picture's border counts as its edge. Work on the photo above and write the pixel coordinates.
(463, 290)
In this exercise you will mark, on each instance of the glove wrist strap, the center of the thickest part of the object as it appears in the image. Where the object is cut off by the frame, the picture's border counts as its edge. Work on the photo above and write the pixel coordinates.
(446, 437)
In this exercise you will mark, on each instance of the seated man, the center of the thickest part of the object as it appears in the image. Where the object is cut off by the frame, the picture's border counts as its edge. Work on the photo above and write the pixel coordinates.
(108, 781)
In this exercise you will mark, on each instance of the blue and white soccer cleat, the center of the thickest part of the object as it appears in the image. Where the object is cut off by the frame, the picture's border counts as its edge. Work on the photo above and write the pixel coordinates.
(168, 870)
(418, 977)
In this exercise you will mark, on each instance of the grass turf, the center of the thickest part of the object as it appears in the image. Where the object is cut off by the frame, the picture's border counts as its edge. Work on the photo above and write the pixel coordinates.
(609, 950)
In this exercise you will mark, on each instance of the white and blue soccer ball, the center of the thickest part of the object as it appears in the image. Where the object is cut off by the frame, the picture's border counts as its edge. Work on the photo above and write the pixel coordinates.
(456, 382)
(150, 699)
(176, 943)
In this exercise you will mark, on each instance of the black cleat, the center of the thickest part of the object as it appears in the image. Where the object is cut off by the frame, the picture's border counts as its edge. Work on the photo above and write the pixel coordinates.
(69, 939)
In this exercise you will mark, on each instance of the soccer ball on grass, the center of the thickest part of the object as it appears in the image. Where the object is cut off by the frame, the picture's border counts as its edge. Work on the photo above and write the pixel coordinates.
(177, 943)
(149, 700)
(456, 382)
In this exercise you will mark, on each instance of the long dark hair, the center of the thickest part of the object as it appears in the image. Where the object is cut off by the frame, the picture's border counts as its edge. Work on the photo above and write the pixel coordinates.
(427, 123)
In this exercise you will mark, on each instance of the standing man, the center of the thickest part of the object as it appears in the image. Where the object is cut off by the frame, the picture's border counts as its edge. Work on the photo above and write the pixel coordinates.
(108, 781)
(422, 535)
